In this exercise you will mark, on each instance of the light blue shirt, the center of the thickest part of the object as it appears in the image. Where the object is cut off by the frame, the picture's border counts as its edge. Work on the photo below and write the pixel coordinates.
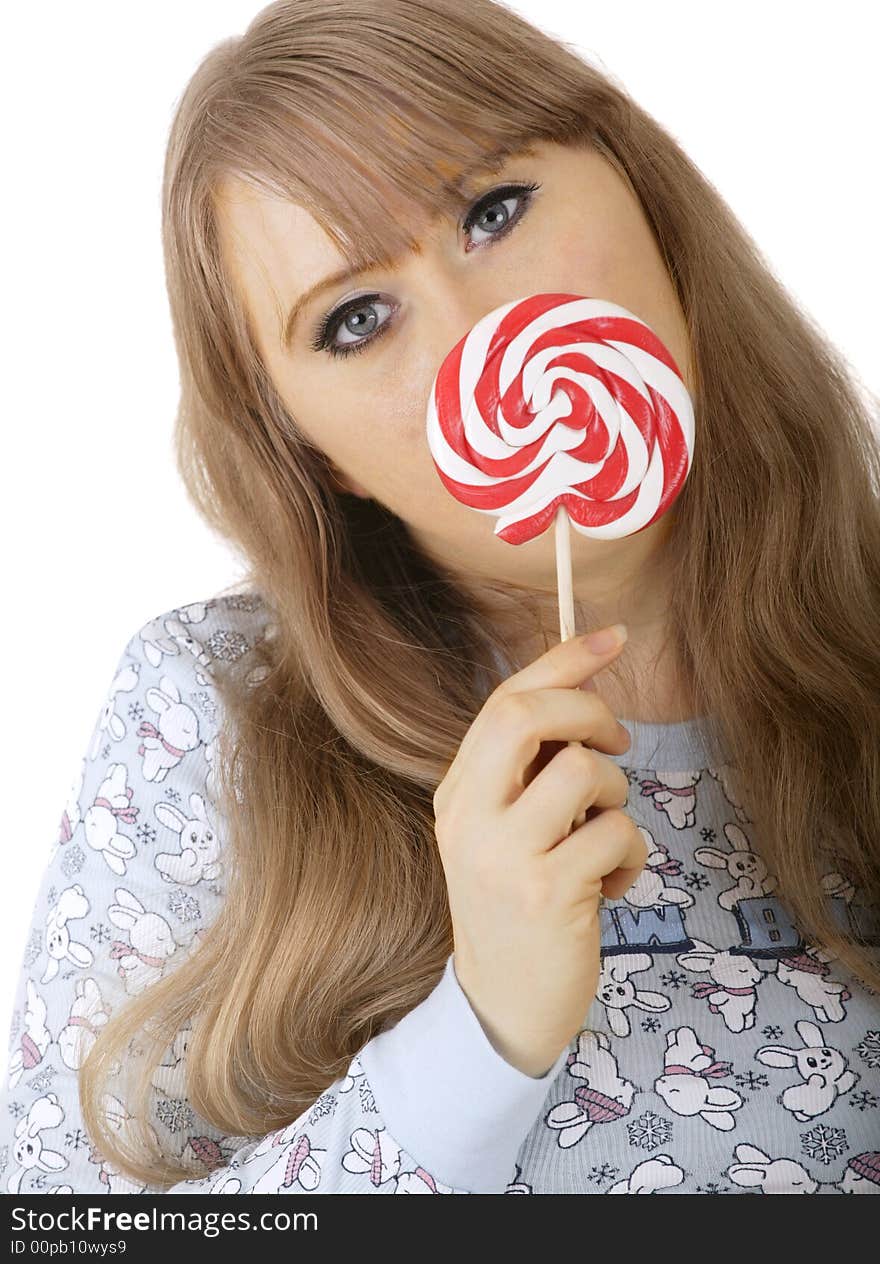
(720, 1053)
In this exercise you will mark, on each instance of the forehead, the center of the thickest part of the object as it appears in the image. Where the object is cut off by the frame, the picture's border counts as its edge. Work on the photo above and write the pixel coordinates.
(270, 244)
(274, 247)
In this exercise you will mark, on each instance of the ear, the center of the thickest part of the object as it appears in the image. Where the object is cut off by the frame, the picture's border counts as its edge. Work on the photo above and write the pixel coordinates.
(776, 1056)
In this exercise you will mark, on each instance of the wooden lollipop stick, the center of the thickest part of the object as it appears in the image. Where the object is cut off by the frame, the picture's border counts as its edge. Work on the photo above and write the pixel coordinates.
(566, 599)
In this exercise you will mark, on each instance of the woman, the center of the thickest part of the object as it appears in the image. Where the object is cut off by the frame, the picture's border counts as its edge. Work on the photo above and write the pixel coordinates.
(359, 947)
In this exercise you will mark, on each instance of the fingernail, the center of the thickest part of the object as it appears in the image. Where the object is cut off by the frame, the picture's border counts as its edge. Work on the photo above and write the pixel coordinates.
(607, 638)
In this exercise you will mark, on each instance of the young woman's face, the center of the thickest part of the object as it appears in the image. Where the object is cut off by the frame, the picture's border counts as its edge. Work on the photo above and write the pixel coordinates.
(361, 395)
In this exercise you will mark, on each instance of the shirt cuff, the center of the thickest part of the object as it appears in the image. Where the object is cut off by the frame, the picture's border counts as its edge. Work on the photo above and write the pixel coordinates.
(448, 1097)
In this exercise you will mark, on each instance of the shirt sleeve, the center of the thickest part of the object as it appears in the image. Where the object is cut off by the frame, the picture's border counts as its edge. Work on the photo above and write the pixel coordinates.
(432, 1083)
(134, 876)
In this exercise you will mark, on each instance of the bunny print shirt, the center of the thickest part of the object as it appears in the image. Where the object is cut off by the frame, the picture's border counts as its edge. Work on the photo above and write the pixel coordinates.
(721, 1053)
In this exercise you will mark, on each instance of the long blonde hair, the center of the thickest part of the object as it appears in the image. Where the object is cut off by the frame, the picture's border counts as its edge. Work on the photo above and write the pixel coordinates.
(336, 922)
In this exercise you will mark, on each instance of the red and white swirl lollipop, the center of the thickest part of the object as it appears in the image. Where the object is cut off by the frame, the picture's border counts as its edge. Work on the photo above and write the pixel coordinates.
(560, 401)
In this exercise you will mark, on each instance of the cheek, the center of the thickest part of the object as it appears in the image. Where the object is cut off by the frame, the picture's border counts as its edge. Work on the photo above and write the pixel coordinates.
(337, 414)
(592, 252)
(411, 487)
(378, 438)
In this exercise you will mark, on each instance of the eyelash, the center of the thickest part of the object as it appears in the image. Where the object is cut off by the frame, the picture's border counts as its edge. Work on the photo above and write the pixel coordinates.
(328, 327)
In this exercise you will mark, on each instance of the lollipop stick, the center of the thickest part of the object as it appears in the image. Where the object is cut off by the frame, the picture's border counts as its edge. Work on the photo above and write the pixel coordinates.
(566, 599)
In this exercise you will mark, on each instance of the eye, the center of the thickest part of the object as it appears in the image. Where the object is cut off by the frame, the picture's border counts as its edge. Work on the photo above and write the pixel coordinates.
(499, 224)
(357, 319)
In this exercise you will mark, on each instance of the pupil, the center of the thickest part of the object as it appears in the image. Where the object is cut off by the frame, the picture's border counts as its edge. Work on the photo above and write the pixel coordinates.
(501, 214)
(355, 322)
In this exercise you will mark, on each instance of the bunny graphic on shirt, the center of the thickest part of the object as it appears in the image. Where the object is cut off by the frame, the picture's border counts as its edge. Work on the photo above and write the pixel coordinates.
(353, 1077)
(724, 776)
(774, 1176)
(674, 794)
(685, 1084)
(649, 889)
(732, 992)
(142, 960)
(603, 1097)
(862, 1175)
(199, 855)
(110, 808)
(177, 733)
(376, 1152)
(747, 869)
(618, 993)
(297, 1162)
(660, 1172)
(824, 1071)
(120, 1118)
(29, 1150)
(88, 1014)
(110, 722)
(171, 635)
(170, 1076)
(420, 1181)
(807, 972)
(140, 832)
(35, 1039)
(71, 905)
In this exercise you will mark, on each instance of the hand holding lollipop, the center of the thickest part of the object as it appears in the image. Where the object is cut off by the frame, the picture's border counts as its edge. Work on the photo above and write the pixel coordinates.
(568, 409)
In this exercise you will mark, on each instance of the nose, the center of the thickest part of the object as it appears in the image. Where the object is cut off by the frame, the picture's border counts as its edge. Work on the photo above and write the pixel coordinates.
(457, 294)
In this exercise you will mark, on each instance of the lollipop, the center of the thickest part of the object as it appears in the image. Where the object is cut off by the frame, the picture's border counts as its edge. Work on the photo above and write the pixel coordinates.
(566, 409)
(560, 401)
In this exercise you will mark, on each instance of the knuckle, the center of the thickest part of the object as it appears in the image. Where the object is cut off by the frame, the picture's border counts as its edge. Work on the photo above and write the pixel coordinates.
(446, 829)
(501, 690)
(583, 762)
(590, 760)
(620, 823)
(592, 700)
(594, 706)
(601, 713)
(515, 712)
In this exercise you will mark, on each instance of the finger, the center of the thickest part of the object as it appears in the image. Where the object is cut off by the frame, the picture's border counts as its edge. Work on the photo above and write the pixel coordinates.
(576, 778)
(519, 722)
(609, 842)
(569, 664)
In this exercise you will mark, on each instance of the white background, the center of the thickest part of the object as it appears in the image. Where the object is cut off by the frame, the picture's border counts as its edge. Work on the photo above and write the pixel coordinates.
(776, 103)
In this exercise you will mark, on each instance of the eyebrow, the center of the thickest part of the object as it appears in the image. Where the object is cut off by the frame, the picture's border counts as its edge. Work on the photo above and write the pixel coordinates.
(489, 164)
(328, 283)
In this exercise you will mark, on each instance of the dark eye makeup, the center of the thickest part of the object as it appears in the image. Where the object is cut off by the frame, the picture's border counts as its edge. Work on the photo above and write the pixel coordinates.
(329, 326)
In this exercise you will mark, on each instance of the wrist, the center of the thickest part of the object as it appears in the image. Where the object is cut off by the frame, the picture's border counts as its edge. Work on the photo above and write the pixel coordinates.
(533, 1059)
